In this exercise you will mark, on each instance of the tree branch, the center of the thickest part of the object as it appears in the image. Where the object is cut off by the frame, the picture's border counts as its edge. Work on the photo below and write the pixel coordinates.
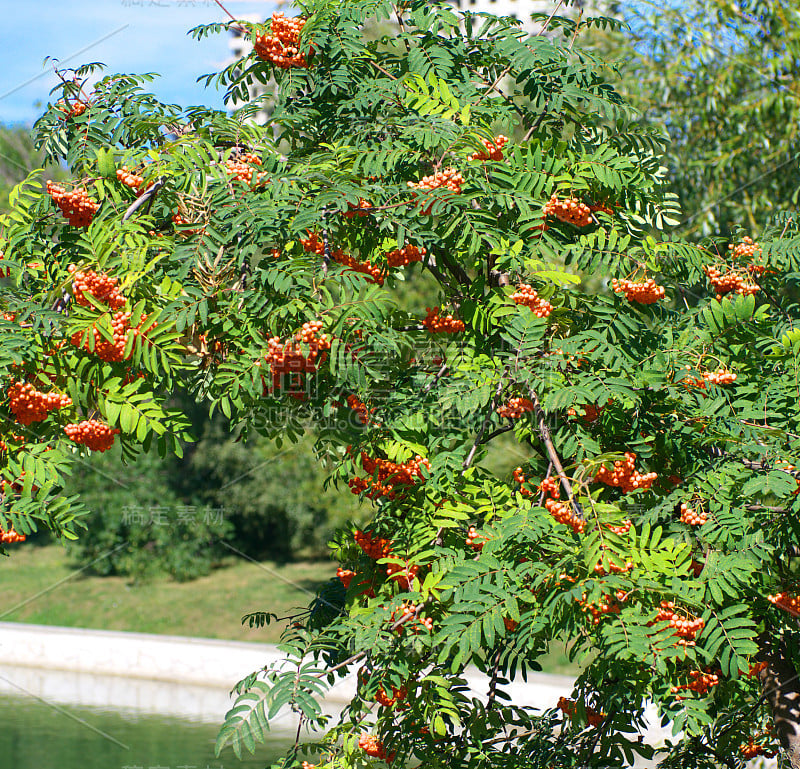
(146, 197)
(544, 433)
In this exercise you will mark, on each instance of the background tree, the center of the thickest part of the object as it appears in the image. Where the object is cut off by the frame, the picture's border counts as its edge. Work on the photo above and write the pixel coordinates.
(721, 80)
(651, 523)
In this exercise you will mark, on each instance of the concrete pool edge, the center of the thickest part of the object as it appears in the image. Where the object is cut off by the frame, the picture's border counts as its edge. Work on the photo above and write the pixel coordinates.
(144, 665)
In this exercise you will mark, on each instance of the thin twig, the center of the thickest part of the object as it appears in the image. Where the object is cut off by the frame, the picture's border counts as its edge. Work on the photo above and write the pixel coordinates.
(493, 681)
(494, 85)
(381, 69)
(233, 18)
(577, 27)
(492, 408)
(499, 431)
(550, 18)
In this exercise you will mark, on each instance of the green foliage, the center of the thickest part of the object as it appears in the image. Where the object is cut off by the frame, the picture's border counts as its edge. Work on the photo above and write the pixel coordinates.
(267, 262)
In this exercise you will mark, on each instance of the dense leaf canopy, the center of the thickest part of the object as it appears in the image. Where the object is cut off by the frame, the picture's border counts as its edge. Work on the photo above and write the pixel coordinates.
(654, 513)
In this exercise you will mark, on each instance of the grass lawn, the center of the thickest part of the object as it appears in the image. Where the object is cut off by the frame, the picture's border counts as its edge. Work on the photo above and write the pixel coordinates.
(41, 586)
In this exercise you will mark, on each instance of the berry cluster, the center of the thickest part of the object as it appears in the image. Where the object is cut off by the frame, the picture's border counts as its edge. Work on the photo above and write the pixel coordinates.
(692, 517)
(10, 536)
(561, 511)
(607, 605)
(374, 272)
(568, 707)
(357, 209)
(515, 408)
(747, 249)
(240, 169)
(443, 325)
(400, 257)
(93, 434)
(402, 573)
(288, 358)
(570, 210)
(373, 548)
(520, 478)
(346, 576)
(113, 350)
(30, 405)
(282, 47)
(730, 281)
(180, 221)
(493, 151)
(76, 206)
(15, 487)
(590, 412)
(701, 682)
(622, 529)
(720, 377)
(551, 487)
(411, 610)
(398, 695)
(685, 627)
(72, 110)
(475, 540)
(372, 746)
(450, 178)
(360, 408)
(526, 295)
(643, 293)
(752, 749)
(100, 285)
(313, 244)
(756, 668)
(130, 179)
(606, 207)
(389, 475)
(787, 602)
(625, 475)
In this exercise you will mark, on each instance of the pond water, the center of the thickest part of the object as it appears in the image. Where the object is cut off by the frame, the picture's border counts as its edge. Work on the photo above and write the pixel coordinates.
(38, 735)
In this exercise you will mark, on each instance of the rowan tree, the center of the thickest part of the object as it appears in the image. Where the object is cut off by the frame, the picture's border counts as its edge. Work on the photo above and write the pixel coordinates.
(651, 524)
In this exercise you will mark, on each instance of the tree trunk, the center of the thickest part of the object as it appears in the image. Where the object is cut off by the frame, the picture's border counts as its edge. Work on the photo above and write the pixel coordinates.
(780, 684)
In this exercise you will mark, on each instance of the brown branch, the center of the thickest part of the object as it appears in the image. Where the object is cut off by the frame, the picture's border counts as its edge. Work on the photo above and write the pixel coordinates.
(381, 69)
(439, 374)
(493, 681)
(499, 431)
(146, 197)
(456, 270)
(544, 433)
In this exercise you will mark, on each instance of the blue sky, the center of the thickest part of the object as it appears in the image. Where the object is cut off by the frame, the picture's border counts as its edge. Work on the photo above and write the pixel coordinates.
(130, 36)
